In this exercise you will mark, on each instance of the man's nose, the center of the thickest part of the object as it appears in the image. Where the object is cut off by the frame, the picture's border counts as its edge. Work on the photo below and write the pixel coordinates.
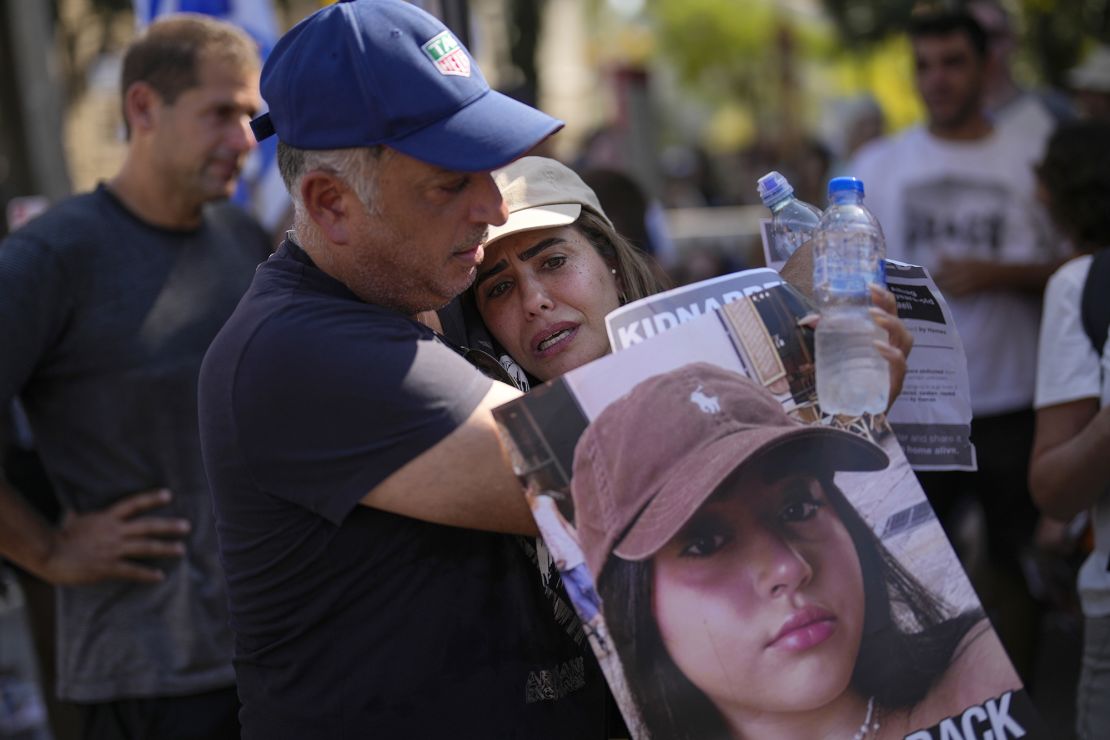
(488, 206)
(240, 137)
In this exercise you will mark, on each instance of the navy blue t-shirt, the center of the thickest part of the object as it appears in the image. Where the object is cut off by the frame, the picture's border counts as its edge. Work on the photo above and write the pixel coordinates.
(350, 621)
(104, 321)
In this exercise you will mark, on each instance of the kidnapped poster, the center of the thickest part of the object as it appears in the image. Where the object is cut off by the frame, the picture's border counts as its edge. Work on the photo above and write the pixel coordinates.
(745, 566)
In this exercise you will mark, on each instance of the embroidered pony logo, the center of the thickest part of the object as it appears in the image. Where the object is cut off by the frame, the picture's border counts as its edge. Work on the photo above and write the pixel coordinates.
(707, 404)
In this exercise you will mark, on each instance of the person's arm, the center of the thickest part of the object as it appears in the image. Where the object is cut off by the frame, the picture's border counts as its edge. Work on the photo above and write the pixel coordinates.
(958, 277)
(1070, 469)
(92, 547)
(465, 480)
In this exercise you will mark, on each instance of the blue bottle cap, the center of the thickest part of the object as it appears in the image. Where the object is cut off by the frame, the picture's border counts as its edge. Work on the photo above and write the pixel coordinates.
(845, 184)
(773, 187)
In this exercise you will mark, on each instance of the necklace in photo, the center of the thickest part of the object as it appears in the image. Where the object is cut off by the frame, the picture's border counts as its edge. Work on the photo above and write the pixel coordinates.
(870, 726)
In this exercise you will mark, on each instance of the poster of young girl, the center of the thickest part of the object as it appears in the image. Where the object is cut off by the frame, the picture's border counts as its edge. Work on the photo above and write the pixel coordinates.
(746, 569)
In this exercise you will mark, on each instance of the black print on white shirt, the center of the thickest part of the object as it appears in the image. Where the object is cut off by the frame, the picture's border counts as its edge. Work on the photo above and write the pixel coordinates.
(955, 217)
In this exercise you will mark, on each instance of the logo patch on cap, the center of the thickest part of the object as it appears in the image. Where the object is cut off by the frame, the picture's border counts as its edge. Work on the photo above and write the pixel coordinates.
(706, 404)
(449, 56)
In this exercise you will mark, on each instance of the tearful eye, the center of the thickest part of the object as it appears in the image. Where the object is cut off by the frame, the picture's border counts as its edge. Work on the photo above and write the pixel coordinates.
(498, 289)
(555, 261)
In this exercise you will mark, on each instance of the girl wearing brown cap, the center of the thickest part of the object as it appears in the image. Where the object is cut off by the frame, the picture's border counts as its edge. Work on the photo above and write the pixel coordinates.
(745, 595)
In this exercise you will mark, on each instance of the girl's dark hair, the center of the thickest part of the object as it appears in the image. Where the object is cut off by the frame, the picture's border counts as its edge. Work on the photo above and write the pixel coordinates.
(908, 637)
(1075, 172)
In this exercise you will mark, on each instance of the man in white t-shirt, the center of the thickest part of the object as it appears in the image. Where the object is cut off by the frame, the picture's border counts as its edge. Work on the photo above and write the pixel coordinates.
(957, 196)
(1070, 471)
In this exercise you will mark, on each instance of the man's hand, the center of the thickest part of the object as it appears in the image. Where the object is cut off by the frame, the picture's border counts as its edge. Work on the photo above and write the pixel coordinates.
(957, 277)
(102, 545)
(896, 349)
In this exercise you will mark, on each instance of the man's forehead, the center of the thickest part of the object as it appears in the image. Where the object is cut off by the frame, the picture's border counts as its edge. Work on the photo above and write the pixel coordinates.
(419, 170)
(945, 44)
(212, 63)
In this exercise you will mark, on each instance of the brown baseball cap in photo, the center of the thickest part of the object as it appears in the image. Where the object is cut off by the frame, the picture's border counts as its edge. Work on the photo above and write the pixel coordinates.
(652, 458)
(541, 193)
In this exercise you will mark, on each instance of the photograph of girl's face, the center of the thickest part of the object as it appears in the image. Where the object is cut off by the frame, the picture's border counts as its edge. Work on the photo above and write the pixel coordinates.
(759, 598)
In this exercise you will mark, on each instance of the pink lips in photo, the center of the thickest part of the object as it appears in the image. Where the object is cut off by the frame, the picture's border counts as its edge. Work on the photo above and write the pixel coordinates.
(804, 628)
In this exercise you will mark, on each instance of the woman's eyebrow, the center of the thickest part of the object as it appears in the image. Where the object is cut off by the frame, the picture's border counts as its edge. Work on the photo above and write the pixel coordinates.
(524, 256)
(497, 267)
(538, 247)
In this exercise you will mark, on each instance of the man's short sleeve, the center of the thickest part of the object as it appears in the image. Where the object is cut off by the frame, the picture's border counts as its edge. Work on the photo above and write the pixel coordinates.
(33, 308)
(325, 413)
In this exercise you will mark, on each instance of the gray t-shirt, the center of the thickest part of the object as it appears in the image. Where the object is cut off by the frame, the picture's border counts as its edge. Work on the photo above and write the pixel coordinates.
(105, 320)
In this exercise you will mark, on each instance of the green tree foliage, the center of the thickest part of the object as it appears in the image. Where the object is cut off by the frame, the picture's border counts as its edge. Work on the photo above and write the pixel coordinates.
(1055, 33)
(741, 51)
(1058, 33)
(861, 23)
(716, 42)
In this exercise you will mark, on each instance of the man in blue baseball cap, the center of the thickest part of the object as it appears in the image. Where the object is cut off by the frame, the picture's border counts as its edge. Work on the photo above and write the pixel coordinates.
(369, 524)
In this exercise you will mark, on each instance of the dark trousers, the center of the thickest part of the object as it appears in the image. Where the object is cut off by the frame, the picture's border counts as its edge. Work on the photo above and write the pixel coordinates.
(213, 715)
(999, 489)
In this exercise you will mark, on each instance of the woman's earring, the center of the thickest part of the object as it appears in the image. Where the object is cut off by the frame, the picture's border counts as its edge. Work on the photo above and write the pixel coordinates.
(620, 292)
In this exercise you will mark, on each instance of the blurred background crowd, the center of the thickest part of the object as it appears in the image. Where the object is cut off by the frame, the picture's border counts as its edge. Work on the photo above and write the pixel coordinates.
(674, 108)
(677, 105)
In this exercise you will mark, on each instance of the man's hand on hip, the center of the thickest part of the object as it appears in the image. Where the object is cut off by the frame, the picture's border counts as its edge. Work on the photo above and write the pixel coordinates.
(106, 544)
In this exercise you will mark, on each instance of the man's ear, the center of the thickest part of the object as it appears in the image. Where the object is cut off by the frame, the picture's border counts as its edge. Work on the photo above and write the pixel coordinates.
(141, 103)
(324, 201)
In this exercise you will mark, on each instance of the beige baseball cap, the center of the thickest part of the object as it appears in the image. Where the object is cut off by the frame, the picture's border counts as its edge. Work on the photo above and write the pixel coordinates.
(651, 459)
(541, 193)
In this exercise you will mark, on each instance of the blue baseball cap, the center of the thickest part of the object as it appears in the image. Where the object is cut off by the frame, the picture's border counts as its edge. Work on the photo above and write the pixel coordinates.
(361, 73)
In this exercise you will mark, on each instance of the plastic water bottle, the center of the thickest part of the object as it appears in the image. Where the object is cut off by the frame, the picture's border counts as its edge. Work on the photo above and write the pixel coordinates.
(852, 377)
(793, 221)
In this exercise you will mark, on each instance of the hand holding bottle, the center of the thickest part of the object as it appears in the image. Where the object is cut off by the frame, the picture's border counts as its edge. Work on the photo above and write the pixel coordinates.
(853, 376)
